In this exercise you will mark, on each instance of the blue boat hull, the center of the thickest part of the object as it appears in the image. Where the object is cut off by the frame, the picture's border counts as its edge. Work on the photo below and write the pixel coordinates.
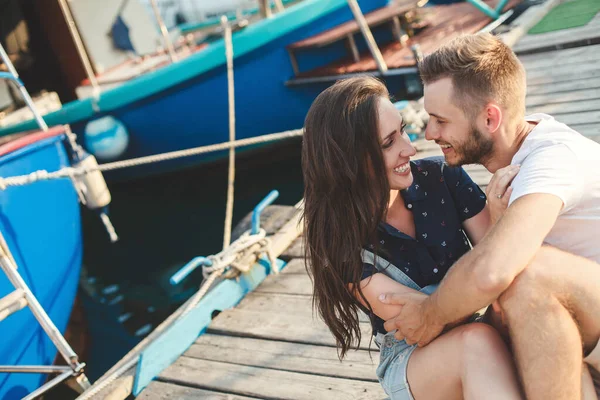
(184, 105)
(41, 224)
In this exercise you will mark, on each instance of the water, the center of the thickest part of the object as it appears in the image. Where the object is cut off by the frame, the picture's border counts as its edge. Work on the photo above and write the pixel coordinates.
(169, 219)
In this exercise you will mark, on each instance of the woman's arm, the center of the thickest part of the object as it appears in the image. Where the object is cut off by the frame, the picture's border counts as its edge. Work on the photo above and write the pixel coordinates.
(376, 285)
(477, 226)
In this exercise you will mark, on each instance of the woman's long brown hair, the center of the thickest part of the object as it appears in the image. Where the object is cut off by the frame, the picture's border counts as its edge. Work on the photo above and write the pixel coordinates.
(346, 193)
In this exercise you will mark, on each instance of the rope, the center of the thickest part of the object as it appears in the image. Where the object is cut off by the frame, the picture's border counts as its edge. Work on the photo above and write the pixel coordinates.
(68, 172)
(231, 99)
(233, 256)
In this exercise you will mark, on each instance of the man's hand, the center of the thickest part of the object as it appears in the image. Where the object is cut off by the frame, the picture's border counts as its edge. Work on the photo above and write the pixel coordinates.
(499, 190)
(415, 323)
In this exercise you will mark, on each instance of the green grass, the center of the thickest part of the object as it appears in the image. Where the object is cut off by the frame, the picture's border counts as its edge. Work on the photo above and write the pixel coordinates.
(567, 15)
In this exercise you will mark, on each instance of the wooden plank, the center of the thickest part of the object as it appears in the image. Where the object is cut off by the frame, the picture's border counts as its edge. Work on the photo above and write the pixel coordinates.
(295, 266)
(560, 68)
(278, 304)
(559, 54)
(272, 220)
(282, 304)
(288, 284)
(585, 37)
(556, 109)
(592, 117)
(162, 390)
(549, 79)
(577, 56)
(267, 383)
(566, 97)
(118, 389)
(569, 86)
(559, 71)
(287, 327)
(286, 356)
(288, 233)
(295, 250)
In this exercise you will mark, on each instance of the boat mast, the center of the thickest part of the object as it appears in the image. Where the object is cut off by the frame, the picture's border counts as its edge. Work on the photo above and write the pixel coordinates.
(85, 59)
(366, 31)
(265, 8)
(164, 31)
(279, 5)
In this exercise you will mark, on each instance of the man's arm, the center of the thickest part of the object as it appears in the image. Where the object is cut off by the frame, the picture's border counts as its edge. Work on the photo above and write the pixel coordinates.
(481, 275)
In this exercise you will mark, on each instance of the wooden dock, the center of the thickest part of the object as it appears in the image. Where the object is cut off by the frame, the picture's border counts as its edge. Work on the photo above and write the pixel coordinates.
(272, 346)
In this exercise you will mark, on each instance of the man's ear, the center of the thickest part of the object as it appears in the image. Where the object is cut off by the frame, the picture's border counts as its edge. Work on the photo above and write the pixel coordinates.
(493, 117)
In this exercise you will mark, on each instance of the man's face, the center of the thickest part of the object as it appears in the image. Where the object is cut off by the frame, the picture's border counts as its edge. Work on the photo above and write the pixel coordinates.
(450, 127)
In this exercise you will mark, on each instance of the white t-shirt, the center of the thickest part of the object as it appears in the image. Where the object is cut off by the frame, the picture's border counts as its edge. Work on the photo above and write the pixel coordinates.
(557, 160)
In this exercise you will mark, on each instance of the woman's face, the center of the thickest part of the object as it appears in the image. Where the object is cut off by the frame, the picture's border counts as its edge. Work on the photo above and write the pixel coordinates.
(395, 145)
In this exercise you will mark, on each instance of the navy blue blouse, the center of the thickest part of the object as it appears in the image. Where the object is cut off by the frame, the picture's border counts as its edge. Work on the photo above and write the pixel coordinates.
(440, 198)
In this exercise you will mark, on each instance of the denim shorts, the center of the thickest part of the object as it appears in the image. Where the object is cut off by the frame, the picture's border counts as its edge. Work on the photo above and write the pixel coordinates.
(393, 365)
(393, 362)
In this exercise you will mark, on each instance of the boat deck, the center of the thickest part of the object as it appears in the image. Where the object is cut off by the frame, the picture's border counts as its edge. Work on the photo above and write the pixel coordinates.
(373, 19)
(444, 22)
(272, 346)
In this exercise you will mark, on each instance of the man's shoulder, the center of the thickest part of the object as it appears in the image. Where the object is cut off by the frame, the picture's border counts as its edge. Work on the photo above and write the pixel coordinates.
(553, 137)
(550, 131)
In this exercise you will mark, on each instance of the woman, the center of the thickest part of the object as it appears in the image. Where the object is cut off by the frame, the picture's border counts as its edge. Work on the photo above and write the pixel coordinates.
(377, 223)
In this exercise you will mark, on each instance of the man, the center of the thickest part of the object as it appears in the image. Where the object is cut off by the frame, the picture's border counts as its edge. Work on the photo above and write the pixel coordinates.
(538, 264)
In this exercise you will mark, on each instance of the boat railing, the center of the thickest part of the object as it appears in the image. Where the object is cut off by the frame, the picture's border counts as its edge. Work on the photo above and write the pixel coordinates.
(23, 297)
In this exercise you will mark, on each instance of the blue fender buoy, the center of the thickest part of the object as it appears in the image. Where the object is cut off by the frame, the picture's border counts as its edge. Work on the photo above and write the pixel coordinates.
(106, 138)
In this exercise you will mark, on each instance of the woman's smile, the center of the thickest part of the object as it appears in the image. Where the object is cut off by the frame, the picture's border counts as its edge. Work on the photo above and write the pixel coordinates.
(402, 169)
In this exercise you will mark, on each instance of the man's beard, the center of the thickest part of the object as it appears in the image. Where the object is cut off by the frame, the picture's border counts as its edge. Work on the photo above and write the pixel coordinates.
(477, 149)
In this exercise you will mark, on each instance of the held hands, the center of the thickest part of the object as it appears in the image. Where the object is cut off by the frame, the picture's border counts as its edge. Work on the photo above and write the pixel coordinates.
(498, 191)
(415, 323)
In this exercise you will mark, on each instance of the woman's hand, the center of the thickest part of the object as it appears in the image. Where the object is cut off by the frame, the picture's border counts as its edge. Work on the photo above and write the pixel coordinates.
(498, 191)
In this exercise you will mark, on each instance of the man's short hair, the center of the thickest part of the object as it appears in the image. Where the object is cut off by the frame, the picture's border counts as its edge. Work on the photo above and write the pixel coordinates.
(482, 69)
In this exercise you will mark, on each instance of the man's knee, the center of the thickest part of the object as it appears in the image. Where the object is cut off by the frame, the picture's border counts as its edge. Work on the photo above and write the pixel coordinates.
(480, 340)
(528, 290)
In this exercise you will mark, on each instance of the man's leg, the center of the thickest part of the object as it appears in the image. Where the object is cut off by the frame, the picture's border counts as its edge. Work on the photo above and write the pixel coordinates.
(551, 309)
